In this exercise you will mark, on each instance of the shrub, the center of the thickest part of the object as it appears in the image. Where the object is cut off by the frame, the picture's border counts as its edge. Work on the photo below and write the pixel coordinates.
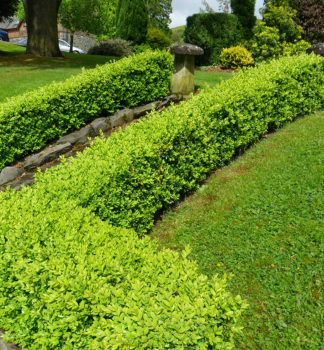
(212, 32)
(112, 47)
(309, 15)
(266, 43)
(290, 49)
(71, 281)
(157, 39)
(141, 48)
(27, 122)
(127, 178)
(277, 34)
(236, 57)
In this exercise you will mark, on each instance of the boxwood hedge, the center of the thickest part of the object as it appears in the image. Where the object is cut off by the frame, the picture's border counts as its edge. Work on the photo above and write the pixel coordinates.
(138, 171)
(71, 281)
(27, 122)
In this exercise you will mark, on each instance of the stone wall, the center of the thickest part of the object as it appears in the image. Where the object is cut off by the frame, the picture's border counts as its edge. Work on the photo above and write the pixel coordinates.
(81, 40)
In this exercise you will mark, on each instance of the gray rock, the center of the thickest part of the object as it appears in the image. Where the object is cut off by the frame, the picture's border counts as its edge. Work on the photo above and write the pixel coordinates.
(46, 156)
(4, 346)
(76, 138)
(186, 49)
(172, 98)
(8, 174)
(122, 117)
(175, 97)
(140, 111)
(103, 124)
(318, 49)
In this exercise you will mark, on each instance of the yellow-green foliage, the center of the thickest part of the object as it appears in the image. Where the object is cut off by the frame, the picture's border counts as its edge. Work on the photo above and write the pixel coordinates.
(69, 280)
(235, 57)
(27, 122)
(127, 178)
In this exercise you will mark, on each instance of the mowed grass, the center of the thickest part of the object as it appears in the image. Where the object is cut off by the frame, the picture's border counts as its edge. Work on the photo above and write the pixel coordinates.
(20, 73)
(262, 219)
(210, 78)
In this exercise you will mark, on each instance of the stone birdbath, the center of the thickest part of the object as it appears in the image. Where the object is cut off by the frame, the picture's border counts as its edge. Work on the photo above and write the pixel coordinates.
(184, 62)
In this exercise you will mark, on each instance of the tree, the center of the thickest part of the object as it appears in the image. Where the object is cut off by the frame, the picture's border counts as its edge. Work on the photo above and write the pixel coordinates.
(132, 20)
(159, 15)
(244, 10)
(310, 15)
(223, 6)
(91, 16)
(41, 20)
(8, 8)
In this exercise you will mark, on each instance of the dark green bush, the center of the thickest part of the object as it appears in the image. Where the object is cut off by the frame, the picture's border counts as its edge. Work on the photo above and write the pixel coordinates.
(244, 10)
(213, 32)
(142, 169)
(157, 39)
(112, 47)
(27, 122)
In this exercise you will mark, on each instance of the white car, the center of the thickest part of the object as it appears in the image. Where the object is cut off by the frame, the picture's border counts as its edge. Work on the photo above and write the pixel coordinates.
(65, 47)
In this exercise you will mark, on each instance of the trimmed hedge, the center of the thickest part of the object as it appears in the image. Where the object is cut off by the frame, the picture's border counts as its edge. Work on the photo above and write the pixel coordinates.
(29, 121)
(213, 32)
(71, 281)
(127, 178)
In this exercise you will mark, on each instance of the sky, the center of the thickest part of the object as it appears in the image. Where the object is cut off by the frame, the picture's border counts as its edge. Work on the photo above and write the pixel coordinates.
(184, 8)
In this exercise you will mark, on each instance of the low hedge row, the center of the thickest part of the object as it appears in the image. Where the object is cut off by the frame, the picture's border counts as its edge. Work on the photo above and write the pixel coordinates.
(27, 122)
(138, 171)
(70, 281)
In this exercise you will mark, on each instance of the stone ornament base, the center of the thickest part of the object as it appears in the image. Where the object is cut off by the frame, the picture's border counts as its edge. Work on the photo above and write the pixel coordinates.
(23, 172)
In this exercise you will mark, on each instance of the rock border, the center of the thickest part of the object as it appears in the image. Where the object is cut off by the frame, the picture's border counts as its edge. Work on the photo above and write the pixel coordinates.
(23, 172)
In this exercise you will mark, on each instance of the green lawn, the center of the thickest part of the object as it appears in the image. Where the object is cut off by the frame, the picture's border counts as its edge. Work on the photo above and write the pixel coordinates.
(262, 219)
(210, 78)
(20, 73)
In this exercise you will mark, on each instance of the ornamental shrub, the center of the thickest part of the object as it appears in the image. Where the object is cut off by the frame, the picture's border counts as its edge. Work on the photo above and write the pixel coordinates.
(236, 57)
(141, 48)
(157, 39)
(27, 122)
(71, 281)
(147, 166)
(112, 47)
(277, 34)
(212, 32)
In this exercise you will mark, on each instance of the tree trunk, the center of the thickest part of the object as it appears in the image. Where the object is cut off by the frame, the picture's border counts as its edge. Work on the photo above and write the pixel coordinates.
(71, 41)
(41, 19)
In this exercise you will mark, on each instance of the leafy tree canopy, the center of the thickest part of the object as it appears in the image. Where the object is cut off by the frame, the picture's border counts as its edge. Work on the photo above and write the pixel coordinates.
(7, 8)
(132, 20)
(159, 15)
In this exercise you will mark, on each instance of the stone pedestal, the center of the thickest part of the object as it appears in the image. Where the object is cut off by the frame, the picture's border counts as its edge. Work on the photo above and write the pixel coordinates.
(183, 81)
